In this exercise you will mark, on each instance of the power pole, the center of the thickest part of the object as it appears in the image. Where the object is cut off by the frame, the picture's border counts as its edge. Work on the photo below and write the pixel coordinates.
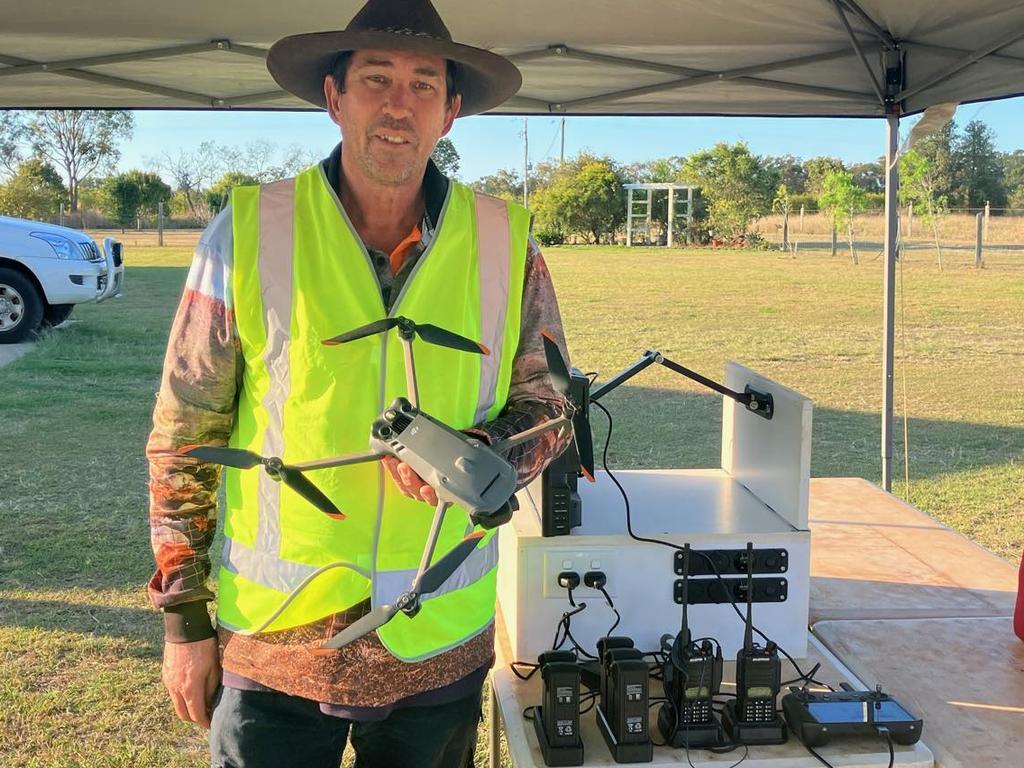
(561, 155)
(526, 166)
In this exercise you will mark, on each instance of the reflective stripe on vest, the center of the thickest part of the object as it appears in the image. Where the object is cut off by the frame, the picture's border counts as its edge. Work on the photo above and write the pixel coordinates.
(302, 275)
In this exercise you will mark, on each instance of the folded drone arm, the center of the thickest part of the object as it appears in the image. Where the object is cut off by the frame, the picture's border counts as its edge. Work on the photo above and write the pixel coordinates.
(339, 461)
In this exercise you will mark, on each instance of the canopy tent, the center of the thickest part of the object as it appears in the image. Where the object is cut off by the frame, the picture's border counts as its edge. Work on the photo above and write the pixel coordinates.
(839, 58)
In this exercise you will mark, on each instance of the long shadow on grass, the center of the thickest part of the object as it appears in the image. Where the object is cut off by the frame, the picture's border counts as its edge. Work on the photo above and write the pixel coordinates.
(670, 429)
(136, 624)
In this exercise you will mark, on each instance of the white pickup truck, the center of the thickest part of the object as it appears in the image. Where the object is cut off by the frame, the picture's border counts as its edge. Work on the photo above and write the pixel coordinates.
(45, 270)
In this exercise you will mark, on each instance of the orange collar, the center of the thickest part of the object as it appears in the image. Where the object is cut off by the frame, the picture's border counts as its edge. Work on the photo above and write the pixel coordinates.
(401, 251)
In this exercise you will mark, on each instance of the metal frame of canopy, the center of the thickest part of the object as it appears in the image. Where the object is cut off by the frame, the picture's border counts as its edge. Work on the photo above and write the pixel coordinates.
(887, 97)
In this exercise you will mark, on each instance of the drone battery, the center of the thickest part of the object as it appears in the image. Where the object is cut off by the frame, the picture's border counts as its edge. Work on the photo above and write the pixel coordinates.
(604, 645)
(622, 717)
(557, 720)
(611, 656)
(561, 508)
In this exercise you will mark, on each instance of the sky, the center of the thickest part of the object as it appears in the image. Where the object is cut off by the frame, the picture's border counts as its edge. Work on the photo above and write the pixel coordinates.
(487, 144)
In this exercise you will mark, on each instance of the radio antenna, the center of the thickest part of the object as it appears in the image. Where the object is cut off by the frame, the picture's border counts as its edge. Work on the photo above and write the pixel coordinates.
(748, 632)
(684, 628)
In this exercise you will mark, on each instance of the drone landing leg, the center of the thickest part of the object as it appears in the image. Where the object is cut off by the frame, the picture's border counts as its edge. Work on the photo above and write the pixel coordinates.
(428, 550)
(410, 372)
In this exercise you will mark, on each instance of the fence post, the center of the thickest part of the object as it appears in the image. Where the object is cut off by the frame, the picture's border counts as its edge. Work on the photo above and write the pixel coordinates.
(785, 229)
(61, 222)
(910, 220)
(833, 239)
(160, 223)
(801, 219)
(977, 243)
(988, 212)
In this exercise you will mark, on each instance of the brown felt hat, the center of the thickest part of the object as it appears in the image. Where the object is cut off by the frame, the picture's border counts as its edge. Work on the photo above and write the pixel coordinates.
(299, 63)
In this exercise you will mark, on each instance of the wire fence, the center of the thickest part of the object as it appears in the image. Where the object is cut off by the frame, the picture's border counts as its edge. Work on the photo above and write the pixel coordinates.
(1003, 226)
(92, 218)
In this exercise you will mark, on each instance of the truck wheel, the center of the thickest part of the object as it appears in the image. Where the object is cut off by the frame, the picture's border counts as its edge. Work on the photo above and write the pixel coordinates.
(21, 307)
(55, 314)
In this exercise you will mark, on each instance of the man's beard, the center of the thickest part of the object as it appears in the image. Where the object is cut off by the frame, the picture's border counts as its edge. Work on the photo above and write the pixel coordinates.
(397, 172)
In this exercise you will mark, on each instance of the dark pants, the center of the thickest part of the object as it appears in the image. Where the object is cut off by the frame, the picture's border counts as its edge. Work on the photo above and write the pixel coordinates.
(257, 729)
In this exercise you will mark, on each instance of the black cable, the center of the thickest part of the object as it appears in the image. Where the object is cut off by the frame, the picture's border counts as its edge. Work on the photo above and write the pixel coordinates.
(888, 739)
(746, 754)
(590, 699)
(821, 759)
(520, 675)
(611, 605)
(563, 624)
(678, 548)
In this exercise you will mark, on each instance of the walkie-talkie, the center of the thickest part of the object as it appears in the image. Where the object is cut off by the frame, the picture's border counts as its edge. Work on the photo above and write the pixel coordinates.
(692, 676)
(752, 718)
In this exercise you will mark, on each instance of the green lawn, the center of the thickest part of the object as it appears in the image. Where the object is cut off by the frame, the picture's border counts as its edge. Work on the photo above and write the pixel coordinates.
(79, 648)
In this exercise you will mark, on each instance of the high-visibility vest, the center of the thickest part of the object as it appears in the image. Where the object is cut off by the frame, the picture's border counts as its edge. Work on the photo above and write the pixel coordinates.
(301, 275)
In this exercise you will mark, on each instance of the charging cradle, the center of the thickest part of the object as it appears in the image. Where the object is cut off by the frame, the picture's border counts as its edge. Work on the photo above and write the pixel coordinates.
(753, 733)
(554, 756)
(688, 735)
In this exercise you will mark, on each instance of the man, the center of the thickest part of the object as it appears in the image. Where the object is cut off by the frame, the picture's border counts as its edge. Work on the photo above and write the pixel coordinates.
(374, 230)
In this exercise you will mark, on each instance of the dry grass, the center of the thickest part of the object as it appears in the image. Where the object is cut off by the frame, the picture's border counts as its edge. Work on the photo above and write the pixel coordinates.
(954, 228)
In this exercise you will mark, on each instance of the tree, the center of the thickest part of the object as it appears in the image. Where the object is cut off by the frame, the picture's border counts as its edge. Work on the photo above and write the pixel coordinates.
(792, 173)
(817, 168)
(79, 141)
(297, 159)
(869, 176)
(936, 150)
(152, 188)
(781, 204)
(842, 200)
(978, 170)
(920, 181)
(192, 172)
(35, 192)
(446, 157)
(217, 195)
(12, 135)
(736, 185)
(585, 197)
(504, 183)
(1013, 177)
(121, 200)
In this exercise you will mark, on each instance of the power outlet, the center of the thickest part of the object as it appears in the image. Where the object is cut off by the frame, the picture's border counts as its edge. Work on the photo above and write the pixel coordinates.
(580, 561)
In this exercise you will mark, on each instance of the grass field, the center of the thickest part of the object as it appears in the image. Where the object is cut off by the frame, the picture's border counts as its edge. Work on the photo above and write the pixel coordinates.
(79, 647)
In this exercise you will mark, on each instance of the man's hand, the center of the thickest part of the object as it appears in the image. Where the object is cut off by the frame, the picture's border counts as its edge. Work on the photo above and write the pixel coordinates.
(191, 673)
(408, 482)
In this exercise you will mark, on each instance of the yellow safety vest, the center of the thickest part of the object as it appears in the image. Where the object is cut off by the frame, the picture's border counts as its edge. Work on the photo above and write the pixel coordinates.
(301, 275)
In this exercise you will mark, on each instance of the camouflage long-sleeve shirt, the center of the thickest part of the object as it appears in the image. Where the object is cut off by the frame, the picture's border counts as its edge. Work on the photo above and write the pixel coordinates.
(197, 404)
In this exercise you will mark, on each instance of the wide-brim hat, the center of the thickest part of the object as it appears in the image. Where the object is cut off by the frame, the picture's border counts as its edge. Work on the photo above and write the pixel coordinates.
(299, 63)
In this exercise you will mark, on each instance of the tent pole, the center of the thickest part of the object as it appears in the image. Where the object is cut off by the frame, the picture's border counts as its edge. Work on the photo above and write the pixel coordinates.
(892, 222)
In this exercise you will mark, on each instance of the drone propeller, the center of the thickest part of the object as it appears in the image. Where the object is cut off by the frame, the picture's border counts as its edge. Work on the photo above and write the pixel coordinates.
(430, 581)
(580, 426)
(290, 476)
(432, 334)
(442, 570)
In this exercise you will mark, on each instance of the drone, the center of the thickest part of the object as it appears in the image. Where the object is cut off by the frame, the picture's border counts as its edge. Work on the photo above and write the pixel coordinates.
(462, 469)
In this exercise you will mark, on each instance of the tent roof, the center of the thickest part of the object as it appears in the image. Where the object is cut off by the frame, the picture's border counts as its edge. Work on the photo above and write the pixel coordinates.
(732, 57)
